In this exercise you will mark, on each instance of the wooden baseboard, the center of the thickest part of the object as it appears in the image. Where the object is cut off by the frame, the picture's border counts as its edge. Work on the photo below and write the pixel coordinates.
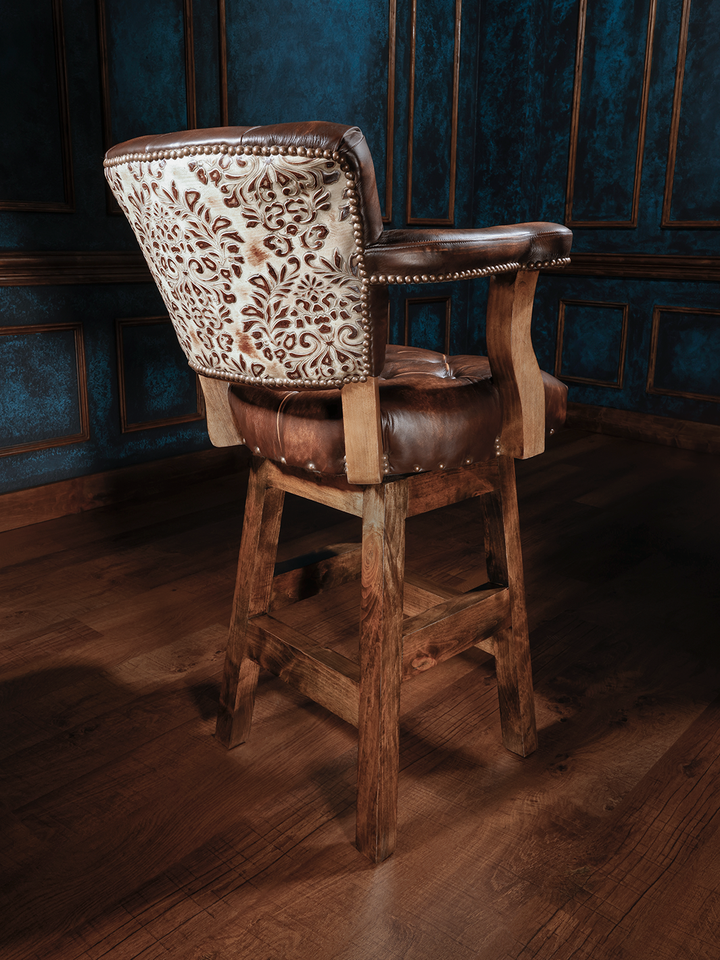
(701, 437)
(21, 508)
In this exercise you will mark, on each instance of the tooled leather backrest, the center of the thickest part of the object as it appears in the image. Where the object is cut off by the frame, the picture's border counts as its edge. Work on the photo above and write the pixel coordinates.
(255, 237)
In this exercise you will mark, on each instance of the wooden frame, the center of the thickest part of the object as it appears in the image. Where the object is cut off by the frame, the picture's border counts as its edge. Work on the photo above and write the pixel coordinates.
(654, 336)
(391, 650)
(616, 384)
(132, 427)
(390, 131)
(81, 370)
(223, 61)
(575, 124)
(189, 56)
(513, 363)
(450, 219)
(666, 219)
(67, 205)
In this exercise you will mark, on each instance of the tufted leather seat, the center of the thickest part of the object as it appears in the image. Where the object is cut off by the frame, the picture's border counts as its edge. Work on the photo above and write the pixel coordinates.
(268, 247)
(437, 413)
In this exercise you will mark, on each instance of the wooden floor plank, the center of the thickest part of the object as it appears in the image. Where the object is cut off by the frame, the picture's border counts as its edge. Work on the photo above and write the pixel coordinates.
(128, 834)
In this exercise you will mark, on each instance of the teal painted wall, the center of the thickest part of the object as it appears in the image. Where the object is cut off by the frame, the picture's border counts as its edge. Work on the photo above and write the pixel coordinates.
(84, 387)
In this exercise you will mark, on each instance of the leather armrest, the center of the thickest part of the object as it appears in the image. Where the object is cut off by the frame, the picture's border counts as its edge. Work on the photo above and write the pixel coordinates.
(429, 256)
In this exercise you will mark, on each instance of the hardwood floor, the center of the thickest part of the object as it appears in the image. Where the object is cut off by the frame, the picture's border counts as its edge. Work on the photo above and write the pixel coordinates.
(128, 832)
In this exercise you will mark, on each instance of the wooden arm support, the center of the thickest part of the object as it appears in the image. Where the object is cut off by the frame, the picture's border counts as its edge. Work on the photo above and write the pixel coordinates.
(363, 436)
(514, 366)
(220, 423)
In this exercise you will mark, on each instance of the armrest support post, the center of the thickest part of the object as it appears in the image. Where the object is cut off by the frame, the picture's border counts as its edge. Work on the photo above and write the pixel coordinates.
(220, 423)
(363, 435)
(513, 363)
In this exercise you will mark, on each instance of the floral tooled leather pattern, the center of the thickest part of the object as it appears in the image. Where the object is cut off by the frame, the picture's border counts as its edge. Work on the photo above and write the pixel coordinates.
(256, 260)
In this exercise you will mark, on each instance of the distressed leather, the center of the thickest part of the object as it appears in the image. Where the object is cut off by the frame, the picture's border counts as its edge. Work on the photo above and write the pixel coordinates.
(438, 412)
(427, 255)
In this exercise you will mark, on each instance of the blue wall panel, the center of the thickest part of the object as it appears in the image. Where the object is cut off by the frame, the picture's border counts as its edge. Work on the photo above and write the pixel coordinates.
(206, 44)
(40, 387)
(146, 67)
(591, 342)
(31, 159)
(156, 382)
(696, 167)
(433, 96)
(311, 61)
(426, 323)
(289, 60)
(96, 307)
(610, 120)
(685, 353)
(680, 360)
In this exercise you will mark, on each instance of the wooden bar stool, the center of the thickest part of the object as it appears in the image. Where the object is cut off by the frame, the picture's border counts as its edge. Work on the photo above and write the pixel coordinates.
(267, 246)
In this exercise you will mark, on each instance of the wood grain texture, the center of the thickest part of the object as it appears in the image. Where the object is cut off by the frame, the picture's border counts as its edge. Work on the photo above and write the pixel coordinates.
(323, 675)
(383, 561)
(644, 266)
(427, 491)
(512, 643)
(447, 629)
(221, 426)
(333, 492)
(513, 363)
(361, 426)
(309, 576)
(256, 564)
(128, 834)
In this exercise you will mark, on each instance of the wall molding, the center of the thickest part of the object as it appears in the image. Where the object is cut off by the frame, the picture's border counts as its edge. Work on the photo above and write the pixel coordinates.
(651, 387)
(41, 268)
(666, 220)
(575, 124)
(686, 434)
(127, 426)
(62, 440)
(450, 218)
(223, 60)
(20, 508)
(390, 129)
(67, 204)
(641, 266)
(616, 384)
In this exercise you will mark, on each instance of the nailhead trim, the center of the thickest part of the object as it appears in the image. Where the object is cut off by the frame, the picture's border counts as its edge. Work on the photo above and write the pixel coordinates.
(470, 274)
(224, 148)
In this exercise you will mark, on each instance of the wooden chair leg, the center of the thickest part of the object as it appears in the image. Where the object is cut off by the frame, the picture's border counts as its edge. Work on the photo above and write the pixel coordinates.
(512, 657)
(383, 561)
(256, 563)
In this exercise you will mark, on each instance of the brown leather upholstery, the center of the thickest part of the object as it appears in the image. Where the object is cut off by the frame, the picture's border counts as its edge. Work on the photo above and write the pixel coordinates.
(438, 413)
(430, 255)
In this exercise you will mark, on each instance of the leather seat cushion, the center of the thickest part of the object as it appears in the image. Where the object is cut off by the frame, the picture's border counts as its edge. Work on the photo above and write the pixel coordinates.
(438, 412)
